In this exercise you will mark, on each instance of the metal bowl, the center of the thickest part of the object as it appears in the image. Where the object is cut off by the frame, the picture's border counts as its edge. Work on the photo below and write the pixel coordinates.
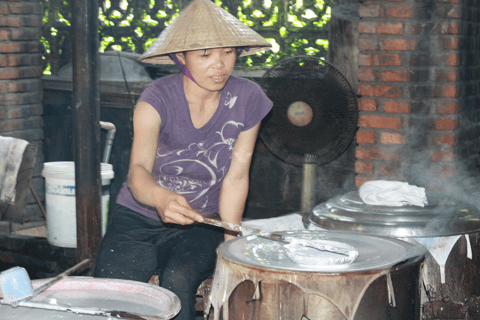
(443, 216)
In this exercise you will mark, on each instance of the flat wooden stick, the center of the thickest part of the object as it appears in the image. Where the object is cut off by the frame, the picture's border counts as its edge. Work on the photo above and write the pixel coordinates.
(279, 237)
(62, 275)
(39, 202)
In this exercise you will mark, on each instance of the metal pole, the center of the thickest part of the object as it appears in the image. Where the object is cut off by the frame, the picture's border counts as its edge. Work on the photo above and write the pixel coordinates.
(308, 197)
(86, 113)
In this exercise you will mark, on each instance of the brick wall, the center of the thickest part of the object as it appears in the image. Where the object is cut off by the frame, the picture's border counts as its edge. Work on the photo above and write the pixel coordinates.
(419, 87)
(20, 85)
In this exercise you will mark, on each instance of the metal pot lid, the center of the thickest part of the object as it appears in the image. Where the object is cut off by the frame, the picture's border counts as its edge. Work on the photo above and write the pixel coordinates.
(375, 253)
(443, 216)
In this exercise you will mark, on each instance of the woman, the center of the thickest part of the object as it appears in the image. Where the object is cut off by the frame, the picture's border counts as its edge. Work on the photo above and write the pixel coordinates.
(194, 135)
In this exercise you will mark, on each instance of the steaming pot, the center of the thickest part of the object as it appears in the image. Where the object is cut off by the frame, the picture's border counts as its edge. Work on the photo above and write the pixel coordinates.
(255, 280)
(447, 226)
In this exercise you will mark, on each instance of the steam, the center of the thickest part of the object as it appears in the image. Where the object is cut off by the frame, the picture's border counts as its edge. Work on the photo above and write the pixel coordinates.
(451, 177)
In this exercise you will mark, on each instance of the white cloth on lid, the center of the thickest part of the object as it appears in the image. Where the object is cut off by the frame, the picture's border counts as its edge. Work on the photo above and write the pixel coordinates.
(392, 193)
(11, 155)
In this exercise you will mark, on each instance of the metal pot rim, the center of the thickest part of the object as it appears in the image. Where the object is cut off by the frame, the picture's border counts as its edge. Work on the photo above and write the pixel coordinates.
(443, 216)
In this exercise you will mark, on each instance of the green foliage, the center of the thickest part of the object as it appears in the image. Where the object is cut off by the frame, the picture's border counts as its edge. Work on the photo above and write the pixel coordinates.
(293, 27)
(56, 28)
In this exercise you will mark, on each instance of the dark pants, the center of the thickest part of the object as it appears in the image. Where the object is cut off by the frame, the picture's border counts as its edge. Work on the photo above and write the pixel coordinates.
(135, 246)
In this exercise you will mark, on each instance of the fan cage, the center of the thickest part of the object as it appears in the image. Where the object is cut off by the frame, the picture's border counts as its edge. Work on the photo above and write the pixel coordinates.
(335, 114)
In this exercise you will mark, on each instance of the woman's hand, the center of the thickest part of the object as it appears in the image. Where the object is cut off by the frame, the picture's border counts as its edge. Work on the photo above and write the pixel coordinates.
(174, 208)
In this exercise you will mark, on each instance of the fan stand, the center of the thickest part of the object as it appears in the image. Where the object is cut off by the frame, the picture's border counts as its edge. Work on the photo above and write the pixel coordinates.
(308, 196)
(300, 114)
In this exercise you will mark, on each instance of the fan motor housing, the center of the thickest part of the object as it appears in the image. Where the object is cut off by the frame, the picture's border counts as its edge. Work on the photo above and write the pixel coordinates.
(299, 113)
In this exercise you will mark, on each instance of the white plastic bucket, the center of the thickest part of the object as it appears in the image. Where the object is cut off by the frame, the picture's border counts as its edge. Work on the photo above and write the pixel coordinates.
(60, 201)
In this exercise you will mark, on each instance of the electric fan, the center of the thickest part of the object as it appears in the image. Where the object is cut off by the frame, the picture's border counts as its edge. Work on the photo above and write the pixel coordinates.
(313, 119)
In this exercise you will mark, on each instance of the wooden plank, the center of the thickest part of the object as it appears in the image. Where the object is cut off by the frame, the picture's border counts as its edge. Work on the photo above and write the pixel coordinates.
(343, 41)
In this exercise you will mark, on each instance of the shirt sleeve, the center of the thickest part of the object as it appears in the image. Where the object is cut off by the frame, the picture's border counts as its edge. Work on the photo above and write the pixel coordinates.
(259, 105)
(153, 96)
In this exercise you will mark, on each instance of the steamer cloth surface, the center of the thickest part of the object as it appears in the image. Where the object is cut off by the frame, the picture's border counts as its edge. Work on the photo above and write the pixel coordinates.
(440, 248)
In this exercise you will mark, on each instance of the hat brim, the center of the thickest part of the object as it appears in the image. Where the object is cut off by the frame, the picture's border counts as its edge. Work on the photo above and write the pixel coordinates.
(165, 58)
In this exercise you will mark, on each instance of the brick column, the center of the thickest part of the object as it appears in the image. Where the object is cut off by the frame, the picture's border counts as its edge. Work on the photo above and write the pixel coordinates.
(419, 82)
(20, 84)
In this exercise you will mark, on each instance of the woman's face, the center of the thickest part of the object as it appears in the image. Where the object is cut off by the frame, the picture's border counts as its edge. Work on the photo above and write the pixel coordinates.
(210, 68)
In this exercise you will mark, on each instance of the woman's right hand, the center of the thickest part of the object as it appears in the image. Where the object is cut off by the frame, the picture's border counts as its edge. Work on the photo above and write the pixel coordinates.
(174, 208)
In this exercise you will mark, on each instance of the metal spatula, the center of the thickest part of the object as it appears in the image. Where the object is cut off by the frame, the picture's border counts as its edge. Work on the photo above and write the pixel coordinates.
(316, 244)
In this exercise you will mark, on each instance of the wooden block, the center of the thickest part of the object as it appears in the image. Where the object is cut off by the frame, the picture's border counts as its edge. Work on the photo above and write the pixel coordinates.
(5, 227)
(16, 212)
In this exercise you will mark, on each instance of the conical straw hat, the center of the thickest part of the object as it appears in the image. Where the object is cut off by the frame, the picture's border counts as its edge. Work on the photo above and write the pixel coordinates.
(202, 25)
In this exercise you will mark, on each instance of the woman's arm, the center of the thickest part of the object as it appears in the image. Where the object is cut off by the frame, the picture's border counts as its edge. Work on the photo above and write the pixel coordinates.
(171, 207)
(235, 184)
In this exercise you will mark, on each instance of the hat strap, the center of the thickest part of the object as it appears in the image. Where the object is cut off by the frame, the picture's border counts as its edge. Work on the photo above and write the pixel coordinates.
(182, 66)
(240, 50)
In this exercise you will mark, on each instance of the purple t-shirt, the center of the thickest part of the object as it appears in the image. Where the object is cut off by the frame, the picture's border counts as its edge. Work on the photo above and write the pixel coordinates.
(190, 161)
